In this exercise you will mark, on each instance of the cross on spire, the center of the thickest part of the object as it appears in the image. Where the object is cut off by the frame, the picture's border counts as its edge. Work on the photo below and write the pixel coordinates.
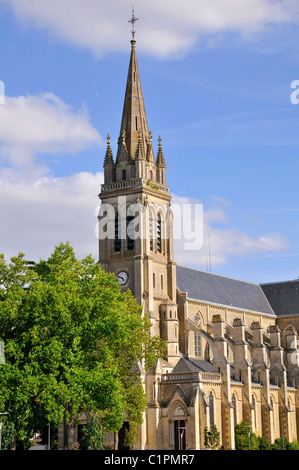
(133, 21)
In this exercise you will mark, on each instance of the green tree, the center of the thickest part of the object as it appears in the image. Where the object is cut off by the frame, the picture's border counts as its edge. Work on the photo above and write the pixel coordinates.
(281, 444)
(7, 433)
(264, 444)
(73, 342)
(242, 439)
(93, 435)
(212, 437)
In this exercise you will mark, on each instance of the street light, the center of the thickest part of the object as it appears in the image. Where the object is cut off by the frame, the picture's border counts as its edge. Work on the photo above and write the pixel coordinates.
(248, 435)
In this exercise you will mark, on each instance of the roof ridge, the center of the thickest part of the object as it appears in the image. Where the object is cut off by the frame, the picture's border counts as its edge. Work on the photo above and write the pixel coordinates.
(220, 275)
(279, 282)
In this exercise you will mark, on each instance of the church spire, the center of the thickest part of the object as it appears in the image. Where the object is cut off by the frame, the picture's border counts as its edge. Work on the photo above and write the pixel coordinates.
(134, 121)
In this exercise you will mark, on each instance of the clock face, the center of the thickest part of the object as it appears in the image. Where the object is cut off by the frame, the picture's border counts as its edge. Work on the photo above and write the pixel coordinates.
(122, 277)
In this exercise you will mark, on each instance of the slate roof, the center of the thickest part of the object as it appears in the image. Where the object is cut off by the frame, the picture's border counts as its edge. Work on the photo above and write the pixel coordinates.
(217, 289)
(283, 297)
(193, 365)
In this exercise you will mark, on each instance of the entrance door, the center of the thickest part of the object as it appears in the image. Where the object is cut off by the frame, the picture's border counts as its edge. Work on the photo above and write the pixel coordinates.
(180, 435)
(121, 437)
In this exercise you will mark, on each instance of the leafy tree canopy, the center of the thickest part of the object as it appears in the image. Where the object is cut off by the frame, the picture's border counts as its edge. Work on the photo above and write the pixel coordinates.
(73, 343)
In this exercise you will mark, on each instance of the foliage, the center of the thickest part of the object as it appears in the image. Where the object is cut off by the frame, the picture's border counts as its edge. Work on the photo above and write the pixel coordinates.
(264, 444)
(294, 445)
(241, 437)
(281, 444)
(73, 342)
(211, 437)
(93, 435)
(7, 434)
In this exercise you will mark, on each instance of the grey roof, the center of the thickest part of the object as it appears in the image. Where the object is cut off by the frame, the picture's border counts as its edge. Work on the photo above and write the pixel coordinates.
(193, 365)
(283, 296)
(217, 289)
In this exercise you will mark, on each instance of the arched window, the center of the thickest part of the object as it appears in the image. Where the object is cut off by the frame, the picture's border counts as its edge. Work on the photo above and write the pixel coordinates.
(272, 414)
(159, 236)
(151, 175)
(151, 228)
(234, 402)
(117, 238)
(211, 405)
(179, 429)
(197, 344)
(254, 411)
(130, 231)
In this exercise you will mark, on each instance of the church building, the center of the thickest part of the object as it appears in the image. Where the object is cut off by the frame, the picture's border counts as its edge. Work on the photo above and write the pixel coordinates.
(231, 345)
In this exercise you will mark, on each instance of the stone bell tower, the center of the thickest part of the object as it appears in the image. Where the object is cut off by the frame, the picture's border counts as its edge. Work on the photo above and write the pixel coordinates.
(135, 219)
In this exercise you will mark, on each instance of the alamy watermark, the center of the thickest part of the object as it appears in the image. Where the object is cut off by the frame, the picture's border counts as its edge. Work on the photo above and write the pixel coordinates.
(295, 94)
(143, 221)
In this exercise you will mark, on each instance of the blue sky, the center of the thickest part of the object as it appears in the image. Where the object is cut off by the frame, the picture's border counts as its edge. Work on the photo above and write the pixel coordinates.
(216, 78)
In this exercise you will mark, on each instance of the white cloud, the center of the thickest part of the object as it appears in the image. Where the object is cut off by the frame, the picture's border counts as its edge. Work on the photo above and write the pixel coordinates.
(37, 215)
(167, 27)
(41, 124)
(222, 243)
(37, 209)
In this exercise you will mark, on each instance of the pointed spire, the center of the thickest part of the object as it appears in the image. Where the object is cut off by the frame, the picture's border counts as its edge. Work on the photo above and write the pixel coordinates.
(160, 157)
(122, 152)
(134, 115)
(150, 152)
(139, 154)
(108, 156)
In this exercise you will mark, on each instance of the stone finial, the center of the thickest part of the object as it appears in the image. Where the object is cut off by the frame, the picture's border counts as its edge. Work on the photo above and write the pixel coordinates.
(108, 156)
(139, 155)
(160, 157)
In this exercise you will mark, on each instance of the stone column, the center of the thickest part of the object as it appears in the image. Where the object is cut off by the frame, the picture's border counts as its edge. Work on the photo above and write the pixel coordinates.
(222, 365)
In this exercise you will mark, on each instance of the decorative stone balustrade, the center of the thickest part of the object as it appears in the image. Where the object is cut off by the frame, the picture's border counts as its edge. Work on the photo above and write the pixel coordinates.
(180, 377)
(132, 182)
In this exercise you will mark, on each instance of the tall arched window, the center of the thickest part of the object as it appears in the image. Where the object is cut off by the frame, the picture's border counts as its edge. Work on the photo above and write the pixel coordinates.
(151, 228)
(117, 238)
(159, 236)
(197, 344)
(130, 231)
(234, 402)
(211, 405)
(272, 415)
(254, 411)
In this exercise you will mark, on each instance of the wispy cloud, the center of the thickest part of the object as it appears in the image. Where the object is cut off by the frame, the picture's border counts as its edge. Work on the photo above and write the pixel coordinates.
(40, 124)
(39, 210)
(37, 215)
(168, 28)
(223, 241)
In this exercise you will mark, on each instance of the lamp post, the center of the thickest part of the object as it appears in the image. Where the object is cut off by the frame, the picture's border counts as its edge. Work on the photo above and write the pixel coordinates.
(49, 436)
(249, 431)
